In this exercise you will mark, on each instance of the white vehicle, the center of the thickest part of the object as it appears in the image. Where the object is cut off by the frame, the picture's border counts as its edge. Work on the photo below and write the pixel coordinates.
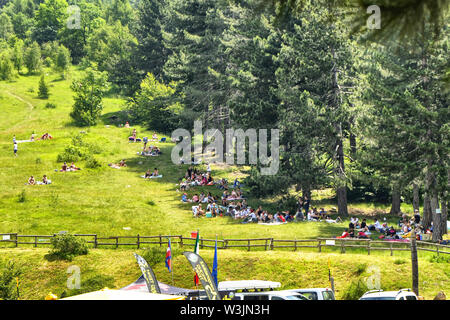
(403, 294)
(316, 293)
(268, 295)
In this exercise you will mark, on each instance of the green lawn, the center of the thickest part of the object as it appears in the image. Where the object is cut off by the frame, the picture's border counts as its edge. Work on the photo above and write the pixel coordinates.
(105, 201)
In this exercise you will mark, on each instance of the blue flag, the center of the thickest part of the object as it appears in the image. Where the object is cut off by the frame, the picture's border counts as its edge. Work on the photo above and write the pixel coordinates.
(214, 270)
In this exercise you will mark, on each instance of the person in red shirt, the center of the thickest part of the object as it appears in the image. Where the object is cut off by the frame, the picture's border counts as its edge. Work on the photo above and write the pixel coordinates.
(345, 234)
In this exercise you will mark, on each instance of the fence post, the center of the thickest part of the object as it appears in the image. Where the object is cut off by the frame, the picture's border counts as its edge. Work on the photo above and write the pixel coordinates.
(248, 245)
(160, 241)
(95, 241)
(181, 241)
(265, 245)
(392, 251)
(319, 245)
(342, 246)
(271, 243)
(138, 242)
(225, 243)
(295, 244)
(117, 242)
(35, 241)
(17, 239)
(368, 247)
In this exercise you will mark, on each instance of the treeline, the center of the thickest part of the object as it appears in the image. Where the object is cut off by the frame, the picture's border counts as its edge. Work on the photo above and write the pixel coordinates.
(369, 119)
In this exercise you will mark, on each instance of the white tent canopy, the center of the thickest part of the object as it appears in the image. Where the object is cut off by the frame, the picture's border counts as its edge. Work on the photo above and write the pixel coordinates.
(122, 295)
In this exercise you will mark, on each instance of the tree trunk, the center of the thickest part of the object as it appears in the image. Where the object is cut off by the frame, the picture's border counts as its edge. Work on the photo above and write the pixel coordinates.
(395, 208)
(437, 228)
(444, 216)
(427, 216)
(416, 197)
(342, 201)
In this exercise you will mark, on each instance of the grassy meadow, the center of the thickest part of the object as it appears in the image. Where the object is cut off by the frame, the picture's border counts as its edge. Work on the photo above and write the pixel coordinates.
(109, 202)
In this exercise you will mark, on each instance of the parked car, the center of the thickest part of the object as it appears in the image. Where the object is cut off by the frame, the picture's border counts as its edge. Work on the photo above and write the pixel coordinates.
(268, 295)
(316, 293)
(403, 294)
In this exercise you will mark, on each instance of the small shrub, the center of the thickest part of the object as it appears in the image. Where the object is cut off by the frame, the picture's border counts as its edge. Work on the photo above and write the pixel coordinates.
(157, 255)
(151, 203)
(67, 246)
(50, 105)
(38, 160)
(8, 284)
(22, 197)
(355, 290)
(399, 261)
(92, 163)
(360, 268)
(439, 259)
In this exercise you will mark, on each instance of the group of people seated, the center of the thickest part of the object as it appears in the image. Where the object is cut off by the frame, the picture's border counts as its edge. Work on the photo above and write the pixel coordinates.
(45, 180)
(121, 164)
(151, 151)
(151, 175)
(45, 136)
(236, 194)
(194, 177)
(362, 230)
(66, 168)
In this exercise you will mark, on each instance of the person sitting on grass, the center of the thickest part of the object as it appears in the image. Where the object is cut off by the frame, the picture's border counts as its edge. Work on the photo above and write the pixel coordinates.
(200, 211)
(344, 235)
(184, 198)
(148, 174)
(73, 167)
(154, 137)
(122, 163)
(155, 172)
(46, 136)
(45, 180)
(195, 198)
(31, 181)
(64, 167)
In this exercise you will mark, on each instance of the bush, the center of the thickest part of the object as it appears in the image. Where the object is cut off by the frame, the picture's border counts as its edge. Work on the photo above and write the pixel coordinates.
(439, 259)
(92, 163)
(50, 105)
(67, 246)
(360, 268)
(399, 261)
(22, 197)
(8, 284)
(355, 290)
(157, 255)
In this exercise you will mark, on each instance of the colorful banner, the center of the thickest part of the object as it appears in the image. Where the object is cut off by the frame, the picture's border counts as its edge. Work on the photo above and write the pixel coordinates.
(149, 276)
(201, 269)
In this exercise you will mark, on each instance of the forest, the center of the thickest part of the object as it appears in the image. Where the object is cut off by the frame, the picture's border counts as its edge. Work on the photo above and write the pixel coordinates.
(361, 108)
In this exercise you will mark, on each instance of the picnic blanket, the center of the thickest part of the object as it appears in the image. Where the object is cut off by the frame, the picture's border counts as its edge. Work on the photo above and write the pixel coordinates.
(271, 223)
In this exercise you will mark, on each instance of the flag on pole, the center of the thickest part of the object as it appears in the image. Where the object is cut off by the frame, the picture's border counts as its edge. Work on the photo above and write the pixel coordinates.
(196, 248)
(169, 257)
(214, 270)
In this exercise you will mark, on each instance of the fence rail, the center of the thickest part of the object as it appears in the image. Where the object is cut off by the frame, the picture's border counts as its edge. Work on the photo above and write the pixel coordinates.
(267, 243)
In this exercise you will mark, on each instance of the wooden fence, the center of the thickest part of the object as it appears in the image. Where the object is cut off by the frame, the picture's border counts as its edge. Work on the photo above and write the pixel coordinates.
(265, 244)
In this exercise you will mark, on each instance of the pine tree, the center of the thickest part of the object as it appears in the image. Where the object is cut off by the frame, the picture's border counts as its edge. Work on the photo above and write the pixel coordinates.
(43, 91)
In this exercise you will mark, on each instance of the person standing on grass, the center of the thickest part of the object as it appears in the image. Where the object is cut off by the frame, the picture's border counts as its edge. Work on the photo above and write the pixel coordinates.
(15, 148)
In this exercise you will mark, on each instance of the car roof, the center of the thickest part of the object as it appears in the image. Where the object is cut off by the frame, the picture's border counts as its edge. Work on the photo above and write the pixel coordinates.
(312, 289)
(387, 293)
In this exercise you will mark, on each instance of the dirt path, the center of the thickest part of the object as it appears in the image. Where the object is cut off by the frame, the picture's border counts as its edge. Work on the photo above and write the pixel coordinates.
(21, 99)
